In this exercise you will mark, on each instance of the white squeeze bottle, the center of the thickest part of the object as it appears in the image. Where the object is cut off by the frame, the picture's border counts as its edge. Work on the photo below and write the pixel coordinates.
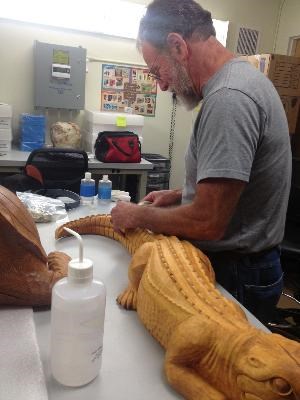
(104, 189)
(77, 323)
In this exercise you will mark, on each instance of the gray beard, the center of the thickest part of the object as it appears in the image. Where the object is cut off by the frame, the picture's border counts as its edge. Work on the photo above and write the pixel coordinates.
(183, 87)
(188, 100)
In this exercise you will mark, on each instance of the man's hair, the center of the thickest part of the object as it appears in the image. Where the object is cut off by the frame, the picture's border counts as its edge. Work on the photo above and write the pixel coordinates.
(185, 17)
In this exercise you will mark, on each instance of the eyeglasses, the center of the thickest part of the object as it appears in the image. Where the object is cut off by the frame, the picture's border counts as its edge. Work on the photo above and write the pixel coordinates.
(152, 74)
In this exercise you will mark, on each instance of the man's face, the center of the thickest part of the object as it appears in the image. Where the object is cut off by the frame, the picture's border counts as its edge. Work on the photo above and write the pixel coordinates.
(171, 75)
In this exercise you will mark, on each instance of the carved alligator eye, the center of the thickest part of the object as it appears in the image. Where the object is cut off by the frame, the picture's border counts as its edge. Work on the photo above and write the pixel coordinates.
(255, 362)
(281, 386)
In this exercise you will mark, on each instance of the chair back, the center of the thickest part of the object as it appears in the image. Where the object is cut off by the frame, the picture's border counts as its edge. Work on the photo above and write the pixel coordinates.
(60, 168)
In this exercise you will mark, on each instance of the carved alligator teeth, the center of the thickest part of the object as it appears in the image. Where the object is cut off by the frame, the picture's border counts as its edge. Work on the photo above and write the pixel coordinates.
(212, 352)
(27, 274)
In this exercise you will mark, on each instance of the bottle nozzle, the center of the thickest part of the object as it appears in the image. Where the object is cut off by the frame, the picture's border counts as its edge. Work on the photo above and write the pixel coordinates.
(80, 242)
(87, 176)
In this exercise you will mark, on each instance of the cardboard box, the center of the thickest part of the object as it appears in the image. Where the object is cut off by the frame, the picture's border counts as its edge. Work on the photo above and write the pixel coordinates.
(5, 123)
(5, 145)
(5, 110)
(291, 106)
(283, 71)
(5, 116)
(254, 60)
(5, 134)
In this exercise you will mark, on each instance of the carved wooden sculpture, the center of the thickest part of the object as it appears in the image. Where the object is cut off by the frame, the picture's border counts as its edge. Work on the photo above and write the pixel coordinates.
(27, 274)
(212, 352)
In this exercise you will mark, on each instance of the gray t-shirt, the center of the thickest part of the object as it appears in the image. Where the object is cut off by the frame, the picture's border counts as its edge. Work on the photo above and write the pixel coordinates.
(241, 132)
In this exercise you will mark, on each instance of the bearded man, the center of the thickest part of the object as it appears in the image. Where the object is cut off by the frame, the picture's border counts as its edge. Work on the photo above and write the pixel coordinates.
(238, 163)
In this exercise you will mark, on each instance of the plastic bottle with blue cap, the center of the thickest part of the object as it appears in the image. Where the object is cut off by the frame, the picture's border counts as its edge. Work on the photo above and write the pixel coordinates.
(77, 323)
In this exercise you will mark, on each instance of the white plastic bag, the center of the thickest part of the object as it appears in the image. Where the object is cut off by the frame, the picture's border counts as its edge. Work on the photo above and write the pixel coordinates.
(41, 208)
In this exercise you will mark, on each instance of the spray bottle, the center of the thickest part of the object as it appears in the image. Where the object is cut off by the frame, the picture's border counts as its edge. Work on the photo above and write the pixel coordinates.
(77, 323)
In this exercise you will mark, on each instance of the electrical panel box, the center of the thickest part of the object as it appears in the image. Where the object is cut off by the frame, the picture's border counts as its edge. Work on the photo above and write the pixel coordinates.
(59, 76)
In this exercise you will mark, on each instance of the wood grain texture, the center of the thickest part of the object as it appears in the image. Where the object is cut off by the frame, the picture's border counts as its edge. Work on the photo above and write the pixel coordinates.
(27, 274)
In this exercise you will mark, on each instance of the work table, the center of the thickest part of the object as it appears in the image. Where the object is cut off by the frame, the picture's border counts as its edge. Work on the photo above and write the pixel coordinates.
(15, 160)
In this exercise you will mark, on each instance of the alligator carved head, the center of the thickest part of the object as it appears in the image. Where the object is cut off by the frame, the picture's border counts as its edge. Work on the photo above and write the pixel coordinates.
(269, 368)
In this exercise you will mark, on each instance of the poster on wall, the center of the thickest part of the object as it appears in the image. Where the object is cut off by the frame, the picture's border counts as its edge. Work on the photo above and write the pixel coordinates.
(124, 87)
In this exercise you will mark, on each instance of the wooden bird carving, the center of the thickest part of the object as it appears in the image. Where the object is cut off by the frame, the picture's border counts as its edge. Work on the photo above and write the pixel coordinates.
(212, 352)
(27, 274)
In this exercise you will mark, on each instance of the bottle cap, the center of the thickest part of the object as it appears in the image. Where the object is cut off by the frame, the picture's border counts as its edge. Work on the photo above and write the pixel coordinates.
(80, 269)
(87, 175)
(105, 177)
(124, 197)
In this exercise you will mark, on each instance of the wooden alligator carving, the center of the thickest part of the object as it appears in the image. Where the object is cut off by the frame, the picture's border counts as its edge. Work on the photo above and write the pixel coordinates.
(27, 274)
(212, 352)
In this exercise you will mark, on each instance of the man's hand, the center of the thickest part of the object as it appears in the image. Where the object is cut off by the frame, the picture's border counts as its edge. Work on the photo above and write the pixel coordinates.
(163, 198)
(123, 216)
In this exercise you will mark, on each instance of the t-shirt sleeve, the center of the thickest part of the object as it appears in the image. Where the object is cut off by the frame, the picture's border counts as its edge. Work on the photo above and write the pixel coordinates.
(227, 136)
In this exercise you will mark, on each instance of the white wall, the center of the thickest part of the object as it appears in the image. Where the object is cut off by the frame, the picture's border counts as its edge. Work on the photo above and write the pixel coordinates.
(17, 80)
(289, 25)
(16, 69)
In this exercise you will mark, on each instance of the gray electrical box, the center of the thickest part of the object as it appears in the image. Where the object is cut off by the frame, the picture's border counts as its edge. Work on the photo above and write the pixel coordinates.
(59, 76)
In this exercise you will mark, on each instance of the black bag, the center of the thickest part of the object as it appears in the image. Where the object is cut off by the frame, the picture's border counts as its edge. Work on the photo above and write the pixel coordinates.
(50, 168)
(118, 147)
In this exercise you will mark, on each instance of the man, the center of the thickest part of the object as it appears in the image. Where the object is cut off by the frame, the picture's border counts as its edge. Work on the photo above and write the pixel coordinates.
(238, 163)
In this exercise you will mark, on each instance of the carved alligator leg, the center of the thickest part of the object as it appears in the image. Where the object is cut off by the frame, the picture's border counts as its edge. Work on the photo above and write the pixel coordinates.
(39, 292)
(189, 344)
(128, 299)
(25, 285)
(57, 264)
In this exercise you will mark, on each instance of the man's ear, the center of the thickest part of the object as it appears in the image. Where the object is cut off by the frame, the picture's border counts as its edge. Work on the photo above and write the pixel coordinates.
(177, 46)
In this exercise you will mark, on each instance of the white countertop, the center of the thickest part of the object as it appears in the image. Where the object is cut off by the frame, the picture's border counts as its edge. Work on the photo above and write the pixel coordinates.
(17, 158)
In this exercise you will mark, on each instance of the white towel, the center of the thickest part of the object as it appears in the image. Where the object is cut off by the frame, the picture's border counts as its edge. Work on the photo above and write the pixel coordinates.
(21, 373)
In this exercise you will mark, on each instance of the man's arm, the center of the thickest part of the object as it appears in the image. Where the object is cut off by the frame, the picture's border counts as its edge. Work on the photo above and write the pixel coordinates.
(206, 218)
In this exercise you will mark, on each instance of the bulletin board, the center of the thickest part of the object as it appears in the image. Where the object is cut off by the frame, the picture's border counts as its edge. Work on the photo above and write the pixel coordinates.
(124, 86)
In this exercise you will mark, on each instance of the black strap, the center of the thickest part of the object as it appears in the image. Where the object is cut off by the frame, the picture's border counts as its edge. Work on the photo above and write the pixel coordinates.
(131, 144)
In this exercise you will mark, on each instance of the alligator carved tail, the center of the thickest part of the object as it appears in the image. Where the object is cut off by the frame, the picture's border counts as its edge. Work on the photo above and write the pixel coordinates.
(212, 352)
(101, 225)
